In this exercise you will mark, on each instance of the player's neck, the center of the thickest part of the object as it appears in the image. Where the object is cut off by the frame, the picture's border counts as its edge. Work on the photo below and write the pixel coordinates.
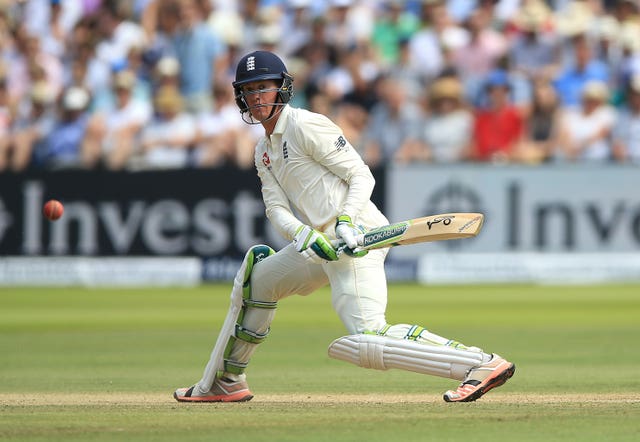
(270, 124)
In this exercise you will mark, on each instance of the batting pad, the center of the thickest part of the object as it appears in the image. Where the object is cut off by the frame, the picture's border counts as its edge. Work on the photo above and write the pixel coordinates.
(236, 342)
(383, 353)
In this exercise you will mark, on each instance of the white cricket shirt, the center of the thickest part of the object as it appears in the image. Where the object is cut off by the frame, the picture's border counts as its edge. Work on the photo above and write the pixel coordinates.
(307, 167)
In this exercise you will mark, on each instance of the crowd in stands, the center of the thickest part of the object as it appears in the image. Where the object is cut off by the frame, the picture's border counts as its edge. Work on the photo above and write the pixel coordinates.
(146, 84)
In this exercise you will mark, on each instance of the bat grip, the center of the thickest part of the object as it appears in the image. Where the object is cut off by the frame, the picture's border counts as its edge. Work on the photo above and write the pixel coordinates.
(340, 246)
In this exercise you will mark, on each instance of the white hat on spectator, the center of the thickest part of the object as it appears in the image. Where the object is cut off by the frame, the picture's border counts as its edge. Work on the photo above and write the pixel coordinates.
(595, 90)
(124, 79)
(299, 4)
(454, 37)
(575, 19)
(75, 98)
(606, 27)
(629, 36)
(341, 3)
(269, 34)
(41, 92)
(168, 66)
(533, 16)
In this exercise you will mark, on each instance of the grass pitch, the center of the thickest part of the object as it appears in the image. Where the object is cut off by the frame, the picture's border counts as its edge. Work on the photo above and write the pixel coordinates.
(101, 365)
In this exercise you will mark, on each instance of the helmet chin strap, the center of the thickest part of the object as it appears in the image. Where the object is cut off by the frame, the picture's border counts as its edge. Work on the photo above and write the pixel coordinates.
(249, 119)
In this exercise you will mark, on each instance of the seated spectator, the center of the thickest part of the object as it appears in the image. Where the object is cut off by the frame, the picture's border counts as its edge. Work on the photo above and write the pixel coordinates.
(392, 25)
(28, 64)
(62, 145)
(34, 120)
(535, 50)
(113, 131)
(222, 137)
(484, 48)
(498, 126)
(393, 120)
(446, 132)
(584, 133)
(541, 124)
(583, 68)
(166, 142)
(626, 134)
(201, 53)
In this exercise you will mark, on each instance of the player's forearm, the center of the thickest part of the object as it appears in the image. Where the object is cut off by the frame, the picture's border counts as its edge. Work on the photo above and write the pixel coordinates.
(361, 186)
(283, 221)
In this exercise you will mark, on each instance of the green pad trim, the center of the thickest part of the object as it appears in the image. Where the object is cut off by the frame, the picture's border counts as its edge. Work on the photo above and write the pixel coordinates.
(250, 336)
(414, 333)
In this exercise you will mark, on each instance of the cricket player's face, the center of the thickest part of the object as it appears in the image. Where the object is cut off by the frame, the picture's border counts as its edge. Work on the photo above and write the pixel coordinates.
(261, 97)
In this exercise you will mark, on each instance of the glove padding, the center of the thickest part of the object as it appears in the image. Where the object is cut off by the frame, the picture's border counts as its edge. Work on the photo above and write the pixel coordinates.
(347, 231)
(314, 245)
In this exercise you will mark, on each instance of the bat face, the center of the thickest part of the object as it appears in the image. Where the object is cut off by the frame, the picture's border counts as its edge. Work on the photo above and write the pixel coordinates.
(430, 228)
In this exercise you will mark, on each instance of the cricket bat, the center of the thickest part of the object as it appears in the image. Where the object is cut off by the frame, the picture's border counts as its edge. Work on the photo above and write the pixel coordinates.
(426, 229)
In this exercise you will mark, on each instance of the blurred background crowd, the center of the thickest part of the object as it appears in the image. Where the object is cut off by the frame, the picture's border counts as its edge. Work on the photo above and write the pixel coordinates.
(146, 84)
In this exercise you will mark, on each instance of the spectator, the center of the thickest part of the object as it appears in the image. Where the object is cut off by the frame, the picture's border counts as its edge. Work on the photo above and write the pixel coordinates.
(541, 124)
(201, 54)
(222, 136)
(119, 33)
(629, 39)
(393, 120)
(167, 140)
(484, 47)
(446, 133)
(535, 50)
(321, 57)
(63, 16)
(392, 26)
(584, 68)
(297, 23)
(498, 126)
(30, 64)
(62, 145)
(160, 21)
(112, 132)
(425, 46)
(584, 133)
(403, 71)
(34, 120)
(350, 23)
(351, 79)
(626, 135)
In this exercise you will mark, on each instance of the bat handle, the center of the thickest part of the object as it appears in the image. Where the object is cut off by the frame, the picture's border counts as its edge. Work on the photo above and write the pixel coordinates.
(340, 246)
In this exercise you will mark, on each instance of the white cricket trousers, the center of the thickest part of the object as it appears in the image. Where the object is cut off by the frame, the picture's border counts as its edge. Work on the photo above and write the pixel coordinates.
(358, 286)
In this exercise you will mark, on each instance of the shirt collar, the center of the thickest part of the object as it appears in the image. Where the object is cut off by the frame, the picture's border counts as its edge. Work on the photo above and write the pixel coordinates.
(282, 120)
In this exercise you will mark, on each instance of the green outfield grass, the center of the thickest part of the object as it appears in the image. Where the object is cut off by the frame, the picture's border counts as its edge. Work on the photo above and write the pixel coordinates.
(101, 364)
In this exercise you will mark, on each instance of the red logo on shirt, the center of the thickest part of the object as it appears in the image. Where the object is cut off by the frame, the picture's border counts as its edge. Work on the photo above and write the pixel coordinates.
(265, 160)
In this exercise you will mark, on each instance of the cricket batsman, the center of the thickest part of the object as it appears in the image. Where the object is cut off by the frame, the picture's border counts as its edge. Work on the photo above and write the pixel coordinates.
(316, 188)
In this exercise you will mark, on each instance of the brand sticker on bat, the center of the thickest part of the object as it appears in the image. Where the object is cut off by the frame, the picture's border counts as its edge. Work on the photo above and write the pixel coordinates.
(385, 234)
(469, 224)
(446, 220)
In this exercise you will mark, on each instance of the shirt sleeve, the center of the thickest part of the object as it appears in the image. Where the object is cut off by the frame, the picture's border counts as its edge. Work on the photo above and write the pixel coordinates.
(329, 147)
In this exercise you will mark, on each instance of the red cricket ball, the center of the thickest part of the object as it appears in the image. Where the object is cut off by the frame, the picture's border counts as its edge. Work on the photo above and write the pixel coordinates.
(52, 210)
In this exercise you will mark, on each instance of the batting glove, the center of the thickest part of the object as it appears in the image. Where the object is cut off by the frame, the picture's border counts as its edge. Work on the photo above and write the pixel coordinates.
(314, 245)
(347, 231)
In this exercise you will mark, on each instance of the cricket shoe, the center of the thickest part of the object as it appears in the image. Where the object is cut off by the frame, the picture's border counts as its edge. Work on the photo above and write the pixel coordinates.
(481, 379)
(222, 390)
